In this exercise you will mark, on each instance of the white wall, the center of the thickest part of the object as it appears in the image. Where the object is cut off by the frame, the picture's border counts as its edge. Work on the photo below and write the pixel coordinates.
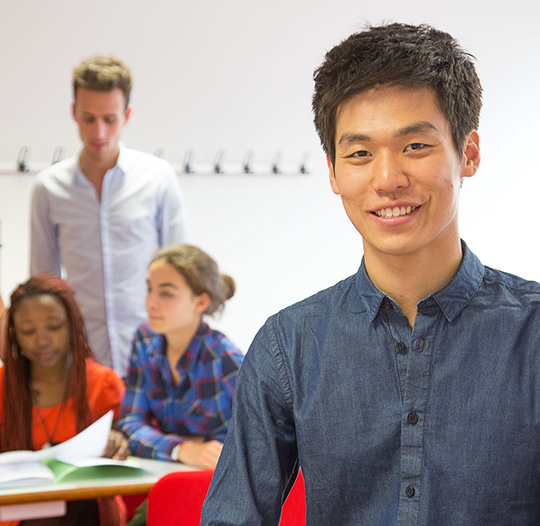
(236, 75)
(280, 237)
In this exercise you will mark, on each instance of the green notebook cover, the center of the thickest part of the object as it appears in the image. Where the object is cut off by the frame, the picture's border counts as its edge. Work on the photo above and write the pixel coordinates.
(94, 469)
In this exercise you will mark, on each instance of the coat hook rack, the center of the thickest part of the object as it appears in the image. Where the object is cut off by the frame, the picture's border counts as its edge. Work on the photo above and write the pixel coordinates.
(218, 160)
(303, 163)
(276, 169)
(22, 159)
(188, 164)
(247, 162)
(58, 154)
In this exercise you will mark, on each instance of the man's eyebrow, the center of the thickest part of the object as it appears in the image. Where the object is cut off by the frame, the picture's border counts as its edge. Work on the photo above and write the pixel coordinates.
(354, 137)
(417, 127)
(112, 114)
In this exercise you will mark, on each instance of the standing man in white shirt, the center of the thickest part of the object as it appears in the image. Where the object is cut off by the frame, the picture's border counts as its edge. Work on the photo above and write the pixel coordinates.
(100, 216)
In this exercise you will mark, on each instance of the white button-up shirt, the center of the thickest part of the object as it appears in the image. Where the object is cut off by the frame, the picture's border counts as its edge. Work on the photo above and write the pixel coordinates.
(104, 248)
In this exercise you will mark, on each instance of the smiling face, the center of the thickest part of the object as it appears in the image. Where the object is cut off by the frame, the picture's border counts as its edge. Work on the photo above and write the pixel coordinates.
(172, 306)
(398, 172)
(42, 331)
(100, 116)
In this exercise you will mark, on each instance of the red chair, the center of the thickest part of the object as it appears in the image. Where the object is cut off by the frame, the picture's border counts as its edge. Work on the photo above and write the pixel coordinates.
(293, 512)
(177, 498)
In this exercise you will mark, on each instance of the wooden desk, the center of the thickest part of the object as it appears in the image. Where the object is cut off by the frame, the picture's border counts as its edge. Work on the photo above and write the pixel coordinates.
(92, 489)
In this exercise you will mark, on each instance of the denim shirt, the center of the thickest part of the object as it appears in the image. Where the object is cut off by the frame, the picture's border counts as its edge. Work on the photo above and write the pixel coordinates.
(437, 426)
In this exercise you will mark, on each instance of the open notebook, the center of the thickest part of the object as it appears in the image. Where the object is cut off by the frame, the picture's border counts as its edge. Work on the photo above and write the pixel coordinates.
(78, 458)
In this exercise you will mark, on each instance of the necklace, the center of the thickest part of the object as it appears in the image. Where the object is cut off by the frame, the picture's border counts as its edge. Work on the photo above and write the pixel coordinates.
(50, 436)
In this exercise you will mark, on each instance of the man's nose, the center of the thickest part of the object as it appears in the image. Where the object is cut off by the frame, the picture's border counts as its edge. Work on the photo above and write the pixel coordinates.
(100, 128)
(389, 174)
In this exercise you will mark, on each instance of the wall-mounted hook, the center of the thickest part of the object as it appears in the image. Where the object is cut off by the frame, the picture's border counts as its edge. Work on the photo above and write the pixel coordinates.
(246, 163)
(303, 163)
(58, 154)
(275, 163)
(188, 166)
(159, 153)
(218, 168)
(22, 159)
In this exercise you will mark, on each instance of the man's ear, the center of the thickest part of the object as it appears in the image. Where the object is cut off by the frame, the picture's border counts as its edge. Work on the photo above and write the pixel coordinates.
(332, 174)
(471, 155)
(73, 110)
(127, 114)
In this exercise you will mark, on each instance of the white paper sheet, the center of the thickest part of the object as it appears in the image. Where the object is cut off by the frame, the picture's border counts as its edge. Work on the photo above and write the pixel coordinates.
(90, 442)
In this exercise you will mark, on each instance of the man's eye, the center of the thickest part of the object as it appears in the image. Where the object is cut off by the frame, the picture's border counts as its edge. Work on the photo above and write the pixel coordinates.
(360, 153)
(88, 120)
(110, 119)
(415, 146)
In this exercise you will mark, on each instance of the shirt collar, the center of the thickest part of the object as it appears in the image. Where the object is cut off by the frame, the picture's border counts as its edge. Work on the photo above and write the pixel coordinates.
(121, 162)
(157, 346)
(195, 347)
(451, 299)
(193, 351)
(119, 166)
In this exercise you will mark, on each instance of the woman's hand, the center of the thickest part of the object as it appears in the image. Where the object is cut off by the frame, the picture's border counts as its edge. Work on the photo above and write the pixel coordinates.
(117, 447)
(202, 455)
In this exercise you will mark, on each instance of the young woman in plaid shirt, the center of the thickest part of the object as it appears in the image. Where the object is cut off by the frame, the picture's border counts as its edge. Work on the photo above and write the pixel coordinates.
(181, 378)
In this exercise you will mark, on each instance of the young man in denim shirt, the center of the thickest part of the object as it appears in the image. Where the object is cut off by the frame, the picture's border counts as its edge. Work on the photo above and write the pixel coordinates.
(408, 393)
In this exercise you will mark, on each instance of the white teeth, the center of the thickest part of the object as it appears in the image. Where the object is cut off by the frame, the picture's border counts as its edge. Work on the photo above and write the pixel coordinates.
(395, 212)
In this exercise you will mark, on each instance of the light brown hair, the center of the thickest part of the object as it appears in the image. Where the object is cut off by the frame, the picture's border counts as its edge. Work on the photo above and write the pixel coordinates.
(200, 272)
(102, 73)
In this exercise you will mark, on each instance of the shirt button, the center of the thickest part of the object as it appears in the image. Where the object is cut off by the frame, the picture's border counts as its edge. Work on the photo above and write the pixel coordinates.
(387, 305)
(401, 348)
(412, 418)
(409, 491)
(421, 343)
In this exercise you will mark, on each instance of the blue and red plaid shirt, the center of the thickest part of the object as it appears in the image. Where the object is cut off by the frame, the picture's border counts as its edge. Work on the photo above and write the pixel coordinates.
(155, 412)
